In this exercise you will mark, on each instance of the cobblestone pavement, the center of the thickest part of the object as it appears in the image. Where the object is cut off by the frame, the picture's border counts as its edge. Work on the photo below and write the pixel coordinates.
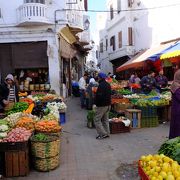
(85, 158)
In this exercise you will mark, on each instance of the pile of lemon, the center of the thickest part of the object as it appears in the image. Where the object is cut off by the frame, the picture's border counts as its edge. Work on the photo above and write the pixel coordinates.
(160, 167)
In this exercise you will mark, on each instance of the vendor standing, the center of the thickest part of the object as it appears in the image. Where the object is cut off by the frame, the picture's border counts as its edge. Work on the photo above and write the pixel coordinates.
(82, 89)
(148, 83)
(161, 80)
(8, 93)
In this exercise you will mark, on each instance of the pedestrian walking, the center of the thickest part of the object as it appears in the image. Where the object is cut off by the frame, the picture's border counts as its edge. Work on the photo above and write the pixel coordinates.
(103, 102)
(82, 90)
(175, 108)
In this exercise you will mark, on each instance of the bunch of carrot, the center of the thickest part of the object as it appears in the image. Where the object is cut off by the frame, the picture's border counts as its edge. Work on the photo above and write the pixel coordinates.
(47, 126)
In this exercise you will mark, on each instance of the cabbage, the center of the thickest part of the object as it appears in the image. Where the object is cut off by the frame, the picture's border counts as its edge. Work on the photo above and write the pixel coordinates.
(3, 128)
(3, 134)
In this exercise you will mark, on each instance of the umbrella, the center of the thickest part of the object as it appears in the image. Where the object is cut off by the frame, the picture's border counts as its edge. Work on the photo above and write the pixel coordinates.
(171, 52)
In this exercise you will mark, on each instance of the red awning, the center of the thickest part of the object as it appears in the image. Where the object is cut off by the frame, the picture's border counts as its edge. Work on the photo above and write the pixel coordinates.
(138, 60)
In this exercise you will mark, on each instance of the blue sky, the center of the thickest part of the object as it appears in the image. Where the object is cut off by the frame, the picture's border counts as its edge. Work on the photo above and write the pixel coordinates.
(95, 5)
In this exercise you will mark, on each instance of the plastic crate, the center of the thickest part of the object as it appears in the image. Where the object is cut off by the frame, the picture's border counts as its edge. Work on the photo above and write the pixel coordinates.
(148, 111)
(118, 127)
(135, 116)
(141, 172)
(151, 121)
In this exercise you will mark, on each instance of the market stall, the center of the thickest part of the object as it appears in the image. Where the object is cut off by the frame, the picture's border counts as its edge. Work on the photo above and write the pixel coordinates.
(144, 110)
(30, 134)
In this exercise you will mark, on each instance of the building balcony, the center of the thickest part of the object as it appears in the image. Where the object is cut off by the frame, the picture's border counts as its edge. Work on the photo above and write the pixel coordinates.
(33, 14)
(124, 51)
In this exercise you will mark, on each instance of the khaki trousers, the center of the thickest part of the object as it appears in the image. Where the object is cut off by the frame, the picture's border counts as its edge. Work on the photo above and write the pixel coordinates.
(101, 120)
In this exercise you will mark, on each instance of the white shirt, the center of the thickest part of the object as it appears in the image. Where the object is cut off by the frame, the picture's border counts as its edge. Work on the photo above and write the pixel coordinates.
(82, 83)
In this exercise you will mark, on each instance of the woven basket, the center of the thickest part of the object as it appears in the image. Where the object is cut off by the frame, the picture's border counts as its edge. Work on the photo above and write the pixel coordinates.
(46, 164)
(45, 149)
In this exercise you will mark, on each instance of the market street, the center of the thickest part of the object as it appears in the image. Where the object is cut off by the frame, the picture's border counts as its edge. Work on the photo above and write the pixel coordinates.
(83, 157)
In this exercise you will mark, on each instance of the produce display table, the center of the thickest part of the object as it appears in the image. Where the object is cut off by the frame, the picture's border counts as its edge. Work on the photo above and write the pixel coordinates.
(37, 115)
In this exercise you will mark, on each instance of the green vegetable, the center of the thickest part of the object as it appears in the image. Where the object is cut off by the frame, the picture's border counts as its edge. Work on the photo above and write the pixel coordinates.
(3, 122)
(124, 91)
(90, 115)
(3, 135)
(41, 137)
(171, 148)
(18, 107)
(153, 93)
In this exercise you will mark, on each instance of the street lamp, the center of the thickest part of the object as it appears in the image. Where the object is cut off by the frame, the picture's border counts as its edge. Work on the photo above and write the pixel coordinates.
(86, 24)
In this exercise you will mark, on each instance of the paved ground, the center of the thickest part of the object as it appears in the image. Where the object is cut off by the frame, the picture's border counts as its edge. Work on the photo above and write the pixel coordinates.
(85, 158)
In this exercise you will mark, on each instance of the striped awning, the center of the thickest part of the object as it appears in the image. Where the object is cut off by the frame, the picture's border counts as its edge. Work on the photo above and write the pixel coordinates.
(171, 52)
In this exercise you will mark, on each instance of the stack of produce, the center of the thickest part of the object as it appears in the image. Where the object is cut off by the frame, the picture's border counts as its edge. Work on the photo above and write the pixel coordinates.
(54, 107)
(18, 107)
(171, 148)
(124, 91)
(50, 117)
(153, 101)
(12, 119)
(116, 96)
(28, 100)
(36, 96)
(23, 94)
(17, 135)
(27, 123)
(159, 167)
(47, 126)
(122, 101)
(4, 128)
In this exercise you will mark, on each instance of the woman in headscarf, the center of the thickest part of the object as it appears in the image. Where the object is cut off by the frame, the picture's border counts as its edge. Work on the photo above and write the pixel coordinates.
(90, 93)
(175, 109)
(8, 92)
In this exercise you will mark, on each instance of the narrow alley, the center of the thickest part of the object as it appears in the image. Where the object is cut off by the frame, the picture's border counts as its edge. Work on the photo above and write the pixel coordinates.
(83, 157)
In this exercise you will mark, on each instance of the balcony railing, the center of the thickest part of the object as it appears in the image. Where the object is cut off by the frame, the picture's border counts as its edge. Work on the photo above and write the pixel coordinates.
(126, 50)
(33, 14)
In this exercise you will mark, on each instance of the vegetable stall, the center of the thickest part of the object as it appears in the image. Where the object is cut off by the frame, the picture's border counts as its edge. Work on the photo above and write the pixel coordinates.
(30, 134)
(143, 110)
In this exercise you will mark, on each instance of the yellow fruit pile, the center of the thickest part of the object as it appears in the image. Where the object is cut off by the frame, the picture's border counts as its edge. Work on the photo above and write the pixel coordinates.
(159, 167)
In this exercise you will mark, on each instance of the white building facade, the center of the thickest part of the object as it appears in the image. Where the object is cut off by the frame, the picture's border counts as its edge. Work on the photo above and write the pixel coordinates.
(133, 25)
(29, 31)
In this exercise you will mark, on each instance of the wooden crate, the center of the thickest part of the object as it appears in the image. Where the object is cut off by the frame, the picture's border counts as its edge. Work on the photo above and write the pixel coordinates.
(120, 107)
(129, 113)
(16, 163)
(118, 127)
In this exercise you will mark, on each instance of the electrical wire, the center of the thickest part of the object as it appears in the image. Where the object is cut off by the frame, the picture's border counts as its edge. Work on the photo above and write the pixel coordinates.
(124, 10)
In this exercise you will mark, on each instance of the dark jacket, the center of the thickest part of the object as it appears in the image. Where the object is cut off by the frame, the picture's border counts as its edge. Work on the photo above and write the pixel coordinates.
(4, 93)
(103, 94)
(148, 84)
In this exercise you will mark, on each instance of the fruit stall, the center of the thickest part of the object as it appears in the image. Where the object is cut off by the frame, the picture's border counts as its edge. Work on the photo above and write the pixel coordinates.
(30, 134)
(164, 165)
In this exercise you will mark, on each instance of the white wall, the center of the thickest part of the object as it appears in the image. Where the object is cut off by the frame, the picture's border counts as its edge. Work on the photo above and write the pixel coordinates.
(155, 25)
(9, 11)
(151, 25)
(10, 33)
